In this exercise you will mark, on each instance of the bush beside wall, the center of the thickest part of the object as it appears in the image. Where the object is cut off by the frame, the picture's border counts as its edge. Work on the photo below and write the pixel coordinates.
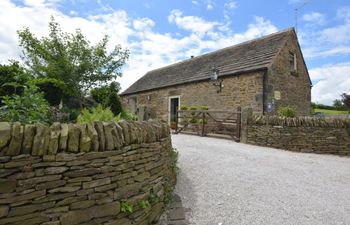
(70, 174)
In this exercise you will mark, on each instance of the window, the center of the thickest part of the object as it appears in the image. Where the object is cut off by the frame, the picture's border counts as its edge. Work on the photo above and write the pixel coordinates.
(293, 63)
(133, 104)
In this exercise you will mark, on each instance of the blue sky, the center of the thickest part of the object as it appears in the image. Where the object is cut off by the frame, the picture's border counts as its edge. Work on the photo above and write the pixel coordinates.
(160, 32)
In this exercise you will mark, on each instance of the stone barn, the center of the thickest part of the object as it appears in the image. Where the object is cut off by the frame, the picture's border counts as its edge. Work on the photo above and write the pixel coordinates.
(264, 74)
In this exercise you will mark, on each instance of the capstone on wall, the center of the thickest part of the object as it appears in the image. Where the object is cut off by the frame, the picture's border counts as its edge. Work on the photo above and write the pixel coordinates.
(83, 174)
(303, 134)
(245, 90)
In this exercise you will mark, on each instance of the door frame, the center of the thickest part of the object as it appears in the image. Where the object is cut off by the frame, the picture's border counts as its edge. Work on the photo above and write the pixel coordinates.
(169, 105)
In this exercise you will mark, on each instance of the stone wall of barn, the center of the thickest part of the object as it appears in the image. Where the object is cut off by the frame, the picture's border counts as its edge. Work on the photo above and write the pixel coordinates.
(245, 90)
(84, 174)
(282, 88)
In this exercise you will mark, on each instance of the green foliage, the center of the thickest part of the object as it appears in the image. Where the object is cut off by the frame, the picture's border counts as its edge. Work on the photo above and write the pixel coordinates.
(168, 194)
(204, 107)
(128, 116)
(183, 107)
(193, 121)
(114, 103)
(287, 111)
(321, 106)
(192, 108)
(338, 104)
(53, 89)
(97, 114)
(13, 78)
(71, 58)
(30, 107)
(152, 197)
(144, 204)
(174, 157)
(107, 96)
(345, 100)
(126, 207)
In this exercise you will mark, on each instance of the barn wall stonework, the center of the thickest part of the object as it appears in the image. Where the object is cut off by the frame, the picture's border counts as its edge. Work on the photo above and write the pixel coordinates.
(295, 90)
(245, 90)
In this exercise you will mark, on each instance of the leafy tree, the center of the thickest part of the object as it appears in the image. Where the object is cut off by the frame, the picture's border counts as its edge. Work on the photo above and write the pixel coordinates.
(12, 79)
(53, 89)
(346, 100)
(107, 96)
(30, 107)
(338, 104)
(71, 58)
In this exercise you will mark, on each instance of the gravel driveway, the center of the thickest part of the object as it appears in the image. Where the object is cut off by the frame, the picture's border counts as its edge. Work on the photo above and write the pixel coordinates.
(228, 183)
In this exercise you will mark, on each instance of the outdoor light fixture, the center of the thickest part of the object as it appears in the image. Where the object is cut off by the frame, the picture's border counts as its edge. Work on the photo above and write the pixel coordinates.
(215, 78)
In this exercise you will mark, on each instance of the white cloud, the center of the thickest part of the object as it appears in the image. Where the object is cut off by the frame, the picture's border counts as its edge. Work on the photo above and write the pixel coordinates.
(230, 5)
(314, 18)
(333, 80)
(344, 13)
(191, 23)
(143, 24)
(210, 6)
(259, 28)
(330, 41)
(148, 49)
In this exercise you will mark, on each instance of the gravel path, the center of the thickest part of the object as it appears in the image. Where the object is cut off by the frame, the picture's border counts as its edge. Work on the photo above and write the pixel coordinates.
(228, 183)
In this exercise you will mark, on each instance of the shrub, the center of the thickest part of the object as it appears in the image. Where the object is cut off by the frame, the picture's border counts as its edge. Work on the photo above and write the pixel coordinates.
(107, 96)
(183, 107)
(204, 107)
(287, 111)
(97, 114)
(30, 107)
(53, 89)
(126, 207)
(144, 204)
(174, 157)
(128, 116)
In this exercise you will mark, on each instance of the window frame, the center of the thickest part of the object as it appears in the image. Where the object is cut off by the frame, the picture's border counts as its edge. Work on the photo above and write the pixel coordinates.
(292, 58)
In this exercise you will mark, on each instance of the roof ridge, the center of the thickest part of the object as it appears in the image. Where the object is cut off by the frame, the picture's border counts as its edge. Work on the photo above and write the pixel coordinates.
(228, 47)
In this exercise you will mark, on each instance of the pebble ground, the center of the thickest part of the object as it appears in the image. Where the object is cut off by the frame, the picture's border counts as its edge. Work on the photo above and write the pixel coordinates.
(228, 183)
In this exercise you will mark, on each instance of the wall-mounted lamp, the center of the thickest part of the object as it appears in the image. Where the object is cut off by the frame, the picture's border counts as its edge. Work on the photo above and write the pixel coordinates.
(215, 78)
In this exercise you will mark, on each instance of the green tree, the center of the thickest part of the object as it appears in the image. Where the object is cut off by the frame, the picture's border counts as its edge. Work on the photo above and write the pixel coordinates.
(12, 79)
(107, 96)
(29, 107)
(52, 88)
(346, 100)
(71, 58)
(338, 104)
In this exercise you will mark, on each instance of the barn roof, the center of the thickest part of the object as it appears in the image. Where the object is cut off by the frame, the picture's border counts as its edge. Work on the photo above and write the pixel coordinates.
(248, 56)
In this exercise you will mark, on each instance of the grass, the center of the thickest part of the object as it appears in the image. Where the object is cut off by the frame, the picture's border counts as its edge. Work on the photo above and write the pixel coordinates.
(331, 112)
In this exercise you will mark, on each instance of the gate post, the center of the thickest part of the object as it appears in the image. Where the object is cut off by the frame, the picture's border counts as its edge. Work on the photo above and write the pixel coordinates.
(246, 114)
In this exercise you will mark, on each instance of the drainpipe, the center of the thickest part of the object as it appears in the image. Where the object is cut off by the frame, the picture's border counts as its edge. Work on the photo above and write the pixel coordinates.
(264, 90)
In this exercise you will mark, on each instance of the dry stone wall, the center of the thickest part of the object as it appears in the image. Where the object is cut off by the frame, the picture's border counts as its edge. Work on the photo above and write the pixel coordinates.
(302, 134)
(83, 174)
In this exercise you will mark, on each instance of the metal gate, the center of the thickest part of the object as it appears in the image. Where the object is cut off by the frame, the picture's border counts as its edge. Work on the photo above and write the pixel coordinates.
(207, 122)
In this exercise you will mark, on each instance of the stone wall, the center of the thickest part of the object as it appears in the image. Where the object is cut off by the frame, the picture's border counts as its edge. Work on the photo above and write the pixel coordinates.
(83, 174)
(245, 90)
(303, 134)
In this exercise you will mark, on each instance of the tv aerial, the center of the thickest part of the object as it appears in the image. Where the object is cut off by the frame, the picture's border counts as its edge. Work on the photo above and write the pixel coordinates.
(296, 11)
